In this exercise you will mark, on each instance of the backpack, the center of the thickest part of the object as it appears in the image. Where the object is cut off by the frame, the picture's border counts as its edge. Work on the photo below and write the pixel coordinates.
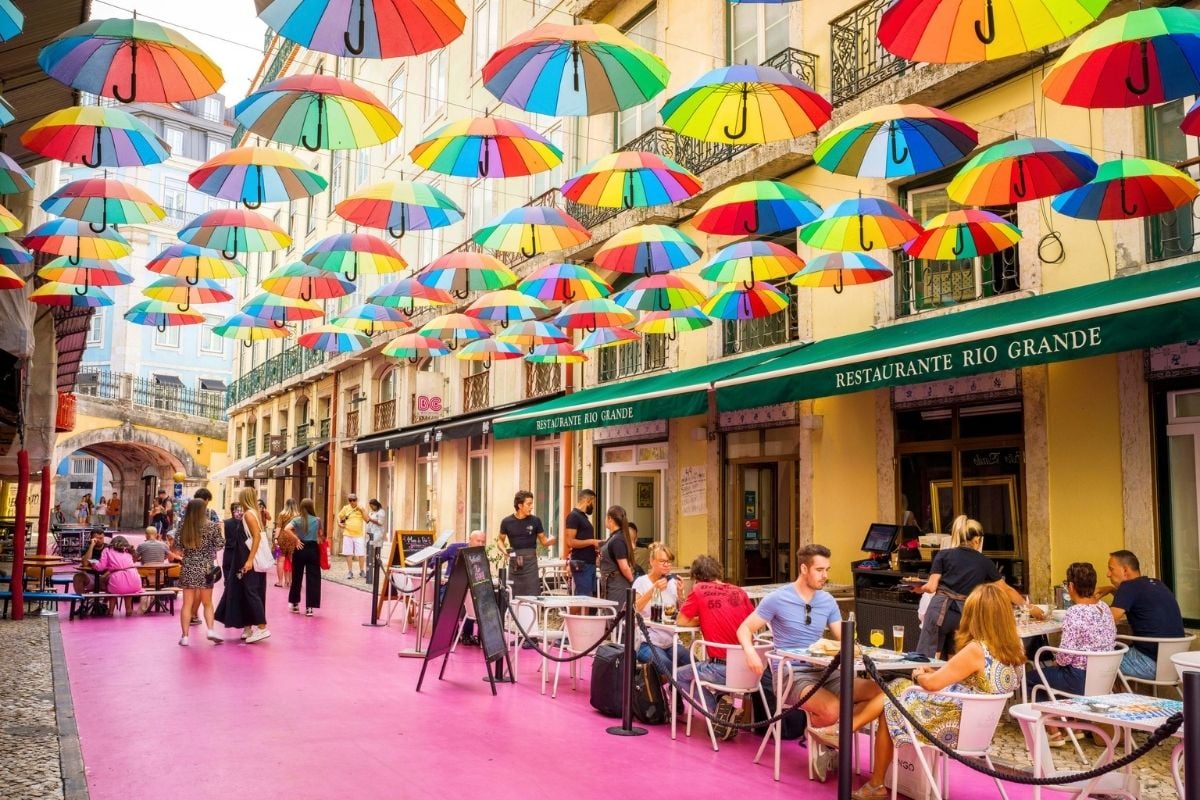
(649, 704)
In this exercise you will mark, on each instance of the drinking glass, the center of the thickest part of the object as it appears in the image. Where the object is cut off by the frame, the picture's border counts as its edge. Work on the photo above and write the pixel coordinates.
(669, 614)
(898, 638)
(877, 637)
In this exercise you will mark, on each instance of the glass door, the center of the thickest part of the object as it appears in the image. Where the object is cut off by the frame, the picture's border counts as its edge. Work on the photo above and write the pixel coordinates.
(547, 488)
(634, 478)
(755, 527)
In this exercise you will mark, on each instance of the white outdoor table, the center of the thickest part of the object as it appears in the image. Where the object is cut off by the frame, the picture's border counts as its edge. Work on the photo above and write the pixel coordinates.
(542, 605)
(675, 631)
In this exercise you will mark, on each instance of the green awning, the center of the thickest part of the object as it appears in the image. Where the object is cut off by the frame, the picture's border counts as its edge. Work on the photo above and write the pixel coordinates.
(665, 395)
(1144, 310)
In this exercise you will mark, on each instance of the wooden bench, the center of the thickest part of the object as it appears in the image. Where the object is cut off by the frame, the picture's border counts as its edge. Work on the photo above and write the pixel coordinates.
(44, 597)
(159, 595)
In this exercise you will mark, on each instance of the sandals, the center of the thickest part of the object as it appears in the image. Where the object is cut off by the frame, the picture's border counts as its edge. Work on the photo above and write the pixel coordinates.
(869, 792)
(280, 585)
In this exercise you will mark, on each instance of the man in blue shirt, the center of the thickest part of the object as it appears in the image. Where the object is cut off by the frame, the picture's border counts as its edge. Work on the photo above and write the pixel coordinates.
(1149, 607)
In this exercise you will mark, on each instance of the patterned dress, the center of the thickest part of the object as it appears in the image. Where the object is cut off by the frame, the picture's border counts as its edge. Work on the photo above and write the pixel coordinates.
(941, 717)
(196, 562)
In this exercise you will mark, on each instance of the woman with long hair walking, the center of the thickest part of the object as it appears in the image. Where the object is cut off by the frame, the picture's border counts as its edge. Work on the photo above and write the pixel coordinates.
(197, 544)
(283, 560)
(306, 560)
(243, 605)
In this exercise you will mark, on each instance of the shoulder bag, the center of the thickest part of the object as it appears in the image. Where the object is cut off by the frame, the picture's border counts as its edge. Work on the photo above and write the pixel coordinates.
(264, 560)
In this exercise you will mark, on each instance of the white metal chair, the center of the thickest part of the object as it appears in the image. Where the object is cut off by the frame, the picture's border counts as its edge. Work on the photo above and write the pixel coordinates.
(739, 679)
(1185, 662)
(414, 594)
(527, 616)
(1164, 671)
(581, 633)
(1113, 783)
(468, 614)
(1099, 676)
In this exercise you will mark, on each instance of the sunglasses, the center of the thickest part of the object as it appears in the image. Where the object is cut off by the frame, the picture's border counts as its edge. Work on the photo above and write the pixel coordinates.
(808, 613)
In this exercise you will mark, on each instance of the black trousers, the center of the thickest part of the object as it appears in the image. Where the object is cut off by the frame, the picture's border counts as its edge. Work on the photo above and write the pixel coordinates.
(306, 569)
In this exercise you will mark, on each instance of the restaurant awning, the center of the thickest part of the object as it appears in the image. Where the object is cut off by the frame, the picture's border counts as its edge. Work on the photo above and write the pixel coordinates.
(258, 466)
(460, 426)
(1143, 310)
(295, 454)
(232, 470)
(664, 395)
(400, 437)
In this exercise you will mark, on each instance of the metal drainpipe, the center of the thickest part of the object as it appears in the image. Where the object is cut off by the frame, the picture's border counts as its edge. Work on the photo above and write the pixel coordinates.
(334, 458)
(568, 449)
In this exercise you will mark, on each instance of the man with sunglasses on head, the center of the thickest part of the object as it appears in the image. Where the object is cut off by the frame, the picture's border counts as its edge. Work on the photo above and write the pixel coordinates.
(799, 614)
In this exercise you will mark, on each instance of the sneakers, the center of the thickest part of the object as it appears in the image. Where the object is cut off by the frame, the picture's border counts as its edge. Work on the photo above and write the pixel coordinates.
(362, 573)
(183, 641)
(350, 576)
(823, 761)
(308, 612)
(215, 637)
(246, 633)
(258, 635)
(725, 713)
(294, 608)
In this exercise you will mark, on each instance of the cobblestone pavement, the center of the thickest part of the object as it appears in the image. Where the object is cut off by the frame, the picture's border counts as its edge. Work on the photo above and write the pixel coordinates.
(30, 767)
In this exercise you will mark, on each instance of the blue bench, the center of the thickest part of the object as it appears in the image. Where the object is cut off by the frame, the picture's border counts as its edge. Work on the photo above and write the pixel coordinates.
(43, 597)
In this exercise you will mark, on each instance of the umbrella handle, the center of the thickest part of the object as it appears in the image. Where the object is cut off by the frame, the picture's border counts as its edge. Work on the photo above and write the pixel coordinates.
(862, 241)
(628, 197)
(193, 280)
(959, 245)
(672, 336)
(187, 303)
(312, 148)
(99, 153)
(752, 226)
(1124, 209)
(351, 47)
(278, 324)
(746, 307)
(1145, 86)
(745, 116)
(533, 251)
(132, 77)
(575, 63)
(247, 344)
(568, 294)
(660, 300)
(403, 226)
(413, 360)
(990, 36)
(310, 289)
(898, 157)
(484, 158)
(461, 294)
(1020, 189)
(103, 217)
(487, 363)
(749, 285)
(228, 255)
(452, 344)
(352, 275)
(261, 191)
(840, 285)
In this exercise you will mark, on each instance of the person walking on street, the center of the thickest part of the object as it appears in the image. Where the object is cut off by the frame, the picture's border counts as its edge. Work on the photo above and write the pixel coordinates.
(196, 547)
(306, 560)
(582, 544)
(520, 534)
(283, 561)
(376, 523)
(114, 510)
(352, 522)
(243, 605)
(102, 511)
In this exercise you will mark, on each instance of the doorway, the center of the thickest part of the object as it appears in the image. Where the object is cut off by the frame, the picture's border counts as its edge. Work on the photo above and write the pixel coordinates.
(149, 490)
(756, 524)
(634, 477)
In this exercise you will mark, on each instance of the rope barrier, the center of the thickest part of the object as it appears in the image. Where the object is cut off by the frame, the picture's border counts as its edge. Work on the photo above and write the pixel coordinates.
(608, 629)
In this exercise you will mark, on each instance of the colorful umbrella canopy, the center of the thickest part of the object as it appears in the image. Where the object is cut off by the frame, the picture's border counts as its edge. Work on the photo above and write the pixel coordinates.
(463, 272)
(745, 104)
(86, 273)
(663, 292)
(574, 70)
(505, 306)
(737, 301)
(256, 175)
(531, 333)
(95, 137)
(565, 283)
(13, 179)
(750, 262)
(353, 254)
(102, 202)
(162, 315)
(894, 141)
(131, 60)
(1190, 124)
(408, 295)
(318, 112)
(965, 233)
(171, 289)
(399, 207)
(1127, 188)
(10, 279)
(486, 147)
(66, 294)
(72, 238)
(631, 179)
(333, 339)
(648, 249)
(592, 314)
(7, 114)
(455, 328)
(281, 310)
(233, 231)
(561, 353)
(1020, 170)
(193, 263)
(415, 347)
(306, 282)
(1140, 58)
(861, 224)
(756, 207)
(530, 230)
(672, 323)
(959, 31)
(607, 337)
(489, 350)
(839, 270)
(249, 329)
(12, 21)
(369, 317)
(9, 221)
(13, 254)
(365, 28)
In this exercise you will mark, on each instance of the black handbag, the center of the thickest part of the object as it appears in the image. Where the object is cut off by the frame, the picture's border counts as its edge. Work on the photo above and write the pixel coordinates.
(213, 575)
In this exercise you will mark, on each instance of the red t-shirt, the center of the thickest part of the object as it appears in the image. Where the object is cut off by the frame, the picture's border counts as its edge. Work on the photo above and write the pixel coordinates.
(720, 607)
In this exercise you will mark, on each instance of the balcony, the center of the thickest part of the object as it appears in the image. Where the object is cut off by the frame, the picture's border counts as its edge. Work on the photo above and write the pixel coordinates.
(272, 372)
(927, 285)
(858, 61)
(744, 336)
(635, 358)
(124, 387)
(385, 415)
(352, 428)
(477, 391)
(542, 379)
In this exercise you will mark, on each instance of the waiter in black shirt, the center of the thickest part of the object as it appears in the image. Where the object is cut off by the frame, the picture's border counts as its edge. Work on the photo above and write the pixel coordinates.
(520, 534)
(582, 543)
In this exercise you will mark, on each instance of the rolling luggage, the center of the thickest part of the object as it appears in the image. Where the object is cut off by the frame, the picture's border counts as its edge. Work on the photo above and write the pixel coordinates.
(606, 679)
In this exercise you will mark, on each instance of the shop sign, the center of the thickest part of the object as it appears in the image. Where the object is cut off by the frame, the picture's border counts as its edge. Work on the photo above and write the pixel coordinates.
(587, 418)
(427, 406)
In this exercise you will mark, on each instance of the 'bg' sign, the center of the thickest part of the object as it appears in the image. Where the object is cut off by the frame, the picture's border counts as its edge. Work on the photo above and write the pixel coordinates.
(427, 406)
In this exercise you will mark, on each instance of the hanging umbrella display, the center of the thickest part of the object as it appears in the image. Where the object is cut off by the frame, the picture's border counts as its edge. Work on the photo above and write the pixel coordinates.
(13, 254)
(102, 202)
(72, 238)
(317, 112)
(489, 350)
(1139, 58)
(194, 263)
(530, 230)
(365, 28)
(333, 339)
(750, 262)
(756, 207)
(86, 273)
(589, 315)
(561, 353)
(607, 337)
(415, 347)
(162, 315)
(13, 179)
(463, 272)
(486, 147)
(7, 114)
(353, 254)
(370, 317)
(9, 221)
(672, 323)
(564, 283)
(250, 329)
(10, 279)
(965, 233)
(12, 21)
(233, 231)
(183, 294)
(631, 179)
(574, 70)
(505, 306)
(306, 282)
(131, 60)
(256, 175)
(1020, 170)
(861, 224)
(893, 141)
(838, 270)
(455, 328)
(399, 207)
(532, 332)
(281, 310)
(745, 104)
(663, 292)
(736, 301)
(95, 137)
(408, 295)
(977, 30)
(648, 249)
(69, 296)
(1127, 188)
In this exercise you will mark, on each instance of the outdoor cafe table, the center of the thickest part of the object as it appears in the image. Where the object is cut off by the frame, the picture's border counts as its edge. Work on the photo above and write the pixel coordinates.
(43, 565)
(1031, 628)
(160, 569)
(676, 631)
(1126, 711)
(542, 604)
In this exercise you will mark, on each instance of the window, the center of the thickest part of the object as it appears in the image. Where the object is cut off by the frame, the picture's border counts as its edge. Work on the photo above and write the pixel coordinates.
(1178, 429)
(542, 182)
(635, 121)
(215, 147)
(210, 342)
(174, 137)
(486, 31)
(362, 171)
(95, 335)
(547, 485)
(175, 198)
(756, 32)
(742, 336)
(479, 212)
(1174, 233)
(168, 337)
(337, 173)
(210, 108)
(83, 466)
(623, 360)
(425, 507)
(396, 89)
(310, 218)
(477, 483)
(435, 85)
(429, 246)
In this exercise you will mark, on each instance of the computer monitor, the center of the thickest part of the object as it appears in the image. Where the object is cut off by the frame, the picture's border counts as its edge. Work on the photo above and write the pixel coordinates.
(880, 538)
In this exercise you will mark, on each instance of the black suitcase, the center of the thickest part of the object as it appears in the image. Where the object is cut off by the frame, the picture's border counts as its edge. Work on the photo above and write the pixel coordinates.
(606, 679)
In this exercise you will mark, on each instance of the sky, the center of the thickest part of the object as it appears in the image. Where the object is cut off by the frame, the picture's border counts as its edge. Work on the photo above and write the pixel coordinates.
(227, 30)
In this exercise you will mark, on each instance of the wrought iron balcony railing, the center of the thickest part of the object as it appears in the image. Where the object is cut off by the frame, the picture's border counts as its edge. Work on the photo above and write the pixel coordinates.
(352, 428)
(857, 60)
(269, 374)
(477, 391)
(385, 415)
(542, 379)
(125, 386)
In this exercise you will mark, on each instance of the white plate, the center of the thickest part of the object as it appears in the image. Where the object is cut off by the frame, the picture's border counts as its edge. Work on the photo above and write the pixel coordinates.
(885, 655)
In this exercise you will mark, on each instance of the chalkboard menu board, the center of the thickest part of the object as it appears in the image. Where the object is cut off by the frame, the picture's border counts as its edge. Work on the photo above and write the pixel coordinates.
(413, 543)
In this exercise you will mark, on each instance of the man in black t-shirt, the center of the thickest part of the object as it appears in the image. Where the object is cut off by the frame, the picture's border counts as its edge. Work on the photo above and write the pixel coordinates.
(581, 541)
(1149, 607)
(520, 534)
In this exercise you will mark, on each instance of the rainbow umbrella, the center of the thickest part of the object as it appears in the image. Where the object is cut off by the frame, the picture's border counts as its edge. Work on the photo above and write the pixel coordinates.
(648, 249)
(71, 238)
(13, 179)
(68, 295)
(631, 179)
(839, 270)
(9, 221)
(414, 347)
(959, 31)
(281, 310)
(745, 104)
(531, 333)
(408, 295)
(95, 137)
(318, 112)
(256, 175)
(370, 317)
(756, 207)
(10, 279)
(194, 263)
(592, 314)
(463, 272)
(750, 262)
(505, 306)
(1140, 58)
(607, 337)
(565, 283)
(13, 254)
(171, 289)
(131, 60)
(353, 254)
(735, 301)
(489, 350)
(399, 207)
(233, 231)
(333, 339)
(86, 273)
(1020, 170)
(162, 315)
(249, 329)
(861, 224)
(530, 230)
(1190, 124)
(1127, 188)
(663, 292)
(561, 353)
(12, 21)
(574, 70)
(102, 202)
(7, 114)
(672, 323)
(486, 147)
(365, 28)
(455, 328)
(893, 141)
(965, 233)
(306, 282)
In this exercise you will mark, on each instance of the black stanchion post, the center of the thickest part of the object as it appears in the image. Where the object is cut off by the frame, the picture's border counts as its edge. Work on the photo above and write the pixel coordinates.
(846, 713)
(1191, 731)
(626, 728)
(373, 556)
